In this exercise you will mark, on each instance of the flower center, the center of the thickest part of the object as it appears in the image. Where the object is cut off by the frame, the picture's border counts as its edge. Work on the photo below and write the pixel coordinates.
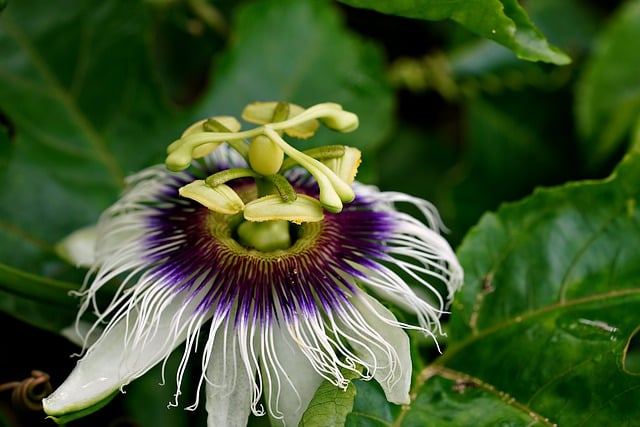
(269, 238)
(265, 236)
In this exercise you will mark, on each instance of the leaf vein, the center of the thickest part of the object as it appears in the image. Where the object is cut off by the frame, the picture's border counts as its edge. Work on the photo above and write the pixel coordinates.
(66, 99)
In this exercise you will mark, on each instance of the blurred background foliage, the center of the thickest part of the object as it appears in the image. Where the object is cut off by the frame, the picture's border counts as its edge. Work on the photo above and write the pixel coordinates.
(93, 91)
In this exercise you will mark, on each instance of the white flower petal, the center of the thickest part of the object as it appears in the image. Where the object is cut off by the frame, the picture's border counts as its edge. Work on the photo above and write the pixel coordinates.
(417, 250)
(78, 248)
(228, 386)
(290, 379)
(79, 332)
(393, 371)
(127, 349)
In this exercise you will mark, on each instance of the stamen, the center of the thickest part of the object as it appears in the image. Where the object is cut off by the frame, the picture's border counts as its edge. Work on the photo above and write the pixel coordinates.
(227, 124)
(226, 175)
(271, 208)
(319, 153)
(333, 191)
(332, 115)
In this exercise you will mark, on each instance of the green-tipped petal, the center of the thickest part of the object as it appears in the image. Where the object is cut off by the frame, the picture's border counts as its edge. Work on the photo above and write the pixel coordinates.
(63, 420)
(272, 207)
(220, 198)
(111, 363)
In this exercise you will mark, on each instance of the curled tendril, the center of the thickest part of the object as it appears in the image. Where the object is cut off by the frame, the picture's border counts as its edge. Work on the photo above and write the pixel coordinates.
(28, 393)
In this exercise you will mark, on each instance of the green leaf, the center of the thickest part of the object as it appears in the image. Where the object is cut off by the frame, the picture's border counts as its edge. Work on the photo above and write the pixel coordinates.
(608, 92)
(371, 408)
(635, 137)
(299, 51)
(6, 147)
(487, 61)
(34, 287)
(503, 21)
(552, 299)
(42, 302)
(5, 421)
(330, 404)
(448, 398)
(75, 83)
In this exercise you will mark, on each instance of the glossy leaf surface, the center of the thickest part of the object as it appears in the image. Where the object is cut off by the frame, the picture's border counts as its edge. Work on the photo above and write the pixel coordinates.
(503, 21)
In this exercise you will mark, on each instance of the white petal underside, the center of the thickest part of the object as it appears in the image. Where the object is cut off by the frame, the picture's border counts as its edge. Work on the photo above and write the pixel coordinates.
(290, 379)
(228, 386)
(78, 248)
(393, 370)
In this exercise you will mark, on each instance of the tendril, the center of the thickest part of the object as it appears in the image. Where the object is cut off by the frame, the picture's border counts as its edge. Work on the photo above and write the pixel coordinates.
(28, 393)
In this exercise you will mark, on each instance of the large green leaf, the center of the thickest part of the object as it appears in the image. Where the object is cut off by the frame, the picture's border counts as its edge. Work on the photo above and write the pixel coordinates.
(78, 97)
(608, 93)
(42, 302)
(540, 333)
(76, 85)
(503, 21)
(552, 298)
